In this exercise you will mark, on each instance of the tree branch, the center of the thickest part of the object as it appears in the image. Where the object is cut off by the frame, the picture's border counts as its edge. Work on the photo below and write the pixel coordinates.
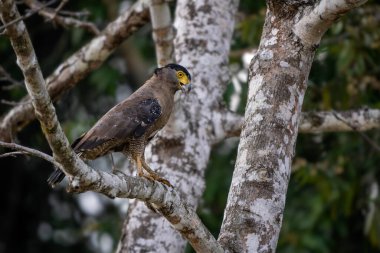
(165, 200)
(27, 15)
(5, 76)
(354, 128)
(226, 124)
(331, 121)
(319, 18)
(26, 150)
(77, 66)
(163, 33)
(82, 177)
(310, 122)
(51, 14)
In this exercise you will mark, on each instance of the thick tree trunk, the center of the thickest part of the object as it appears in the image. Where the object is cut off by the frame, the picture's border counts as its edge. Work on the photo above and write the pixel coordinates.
(181, 151)
(277, 83)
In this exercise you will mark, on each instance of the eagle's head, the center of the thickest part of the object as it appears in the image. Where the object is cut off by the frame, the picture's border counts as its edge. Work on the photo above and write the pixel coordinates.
(183, 76)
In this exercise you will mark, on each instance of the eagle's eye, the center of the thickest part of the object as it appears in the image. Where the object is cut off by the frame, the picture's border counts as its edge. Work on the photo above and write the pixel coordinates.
(182, 77)
(180, 74)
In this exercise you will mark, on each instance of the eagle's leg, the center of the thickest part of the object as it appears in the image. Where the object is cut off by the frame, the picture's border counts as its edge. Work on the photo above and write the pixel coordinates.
(113, 163)
(153, 175)
(140, 171)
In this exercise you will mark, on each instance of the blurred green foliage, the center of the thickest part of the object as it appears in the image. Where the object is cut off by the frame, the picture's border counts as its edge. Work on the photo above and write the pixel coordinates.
(329, 203)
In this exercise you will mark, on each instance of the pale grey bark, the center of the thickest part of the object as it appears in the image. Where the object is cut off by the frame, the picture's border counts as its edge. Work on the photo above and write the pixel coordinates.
(340, 121)
(277, 84)
(28, 151)
(77, 66)
(163, 33)
(312, 122)
(316, 19)
(181, 151)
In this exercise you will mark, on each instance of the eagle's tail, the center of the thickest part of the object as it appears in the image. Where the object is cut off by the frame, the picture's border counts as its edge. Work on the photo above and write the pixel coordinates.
(56, 177)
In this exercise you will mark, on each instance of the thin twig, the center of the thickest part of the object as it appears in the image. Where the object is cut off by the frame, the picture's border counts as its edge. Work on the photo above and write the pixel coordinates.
(5, 76)
(12, 103)
(60, 6)
(27, 15)
(79, 14)
(30, 151)
(13, 154)
(354, 128)
(52, 15)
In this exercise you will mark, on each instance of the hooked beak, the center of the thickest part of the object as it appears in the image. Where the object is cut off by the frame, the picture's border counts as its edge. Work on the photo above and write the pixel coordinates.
(186, 88)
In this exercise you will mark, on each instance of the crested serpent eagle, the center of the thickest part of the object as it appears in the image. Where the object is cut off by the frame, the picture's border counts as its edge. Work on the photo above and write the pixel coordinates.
(132, 123)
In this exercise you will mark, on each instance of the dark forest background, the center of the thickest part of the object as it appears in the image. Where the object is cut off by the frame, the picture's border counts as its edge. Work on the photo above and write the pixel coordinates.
(333, 202)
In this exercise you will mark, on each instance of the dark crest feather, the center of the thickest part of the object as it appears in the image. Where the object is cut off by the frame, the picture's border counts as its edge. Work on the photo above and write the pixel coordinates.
(179, 67)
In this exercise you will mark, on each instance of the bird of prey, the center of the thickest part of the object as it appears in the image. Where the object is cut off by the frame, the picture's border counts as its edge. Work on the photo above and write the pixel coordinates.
(132, 123)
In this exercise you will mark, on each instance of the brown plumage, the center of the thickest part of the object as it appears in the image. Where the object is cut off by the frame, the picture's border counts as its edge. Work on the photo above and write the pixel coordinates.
(132, 123)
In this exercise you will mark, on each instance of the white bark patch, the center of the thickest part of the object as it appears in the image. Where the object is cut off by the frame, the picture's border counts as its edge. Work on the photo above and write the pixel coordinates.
(266, 54)
(265, 208)
(261, 101)
(263, 152)
(257, 118)
(274, 31)
(284, 64)
(242, 163)
(285, 112)
(254, 85)
(95, 50)
(272, 41)
(252, 243)
(286, 139)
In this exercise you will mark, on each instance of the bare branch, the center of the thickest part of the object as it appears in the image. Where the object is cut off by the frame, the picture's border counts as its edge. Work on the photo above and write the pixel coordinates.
(5, 76)
(354, 128)
(79, 65)
(80, 14)
(310, 122)
(63, 21)
(313, 25)
(13, 154)
(60, 6)
(163, 33)
(165, 200)
(25, 151)
(12, 103)
(226, 124)
(334, 121)
(82, 177)
(27, 15)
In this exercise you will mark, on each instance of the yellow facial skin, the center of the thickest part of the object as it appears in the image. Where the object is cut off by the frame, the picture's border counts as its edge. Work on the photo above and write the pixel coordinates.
(182, 77)
(183, 81)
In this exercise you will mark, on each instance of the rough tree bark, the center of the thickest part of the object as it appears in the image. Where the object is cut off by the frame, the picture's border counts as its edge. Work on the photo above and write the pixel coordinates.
(277, 84)
(163, 33)
(181, 152)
